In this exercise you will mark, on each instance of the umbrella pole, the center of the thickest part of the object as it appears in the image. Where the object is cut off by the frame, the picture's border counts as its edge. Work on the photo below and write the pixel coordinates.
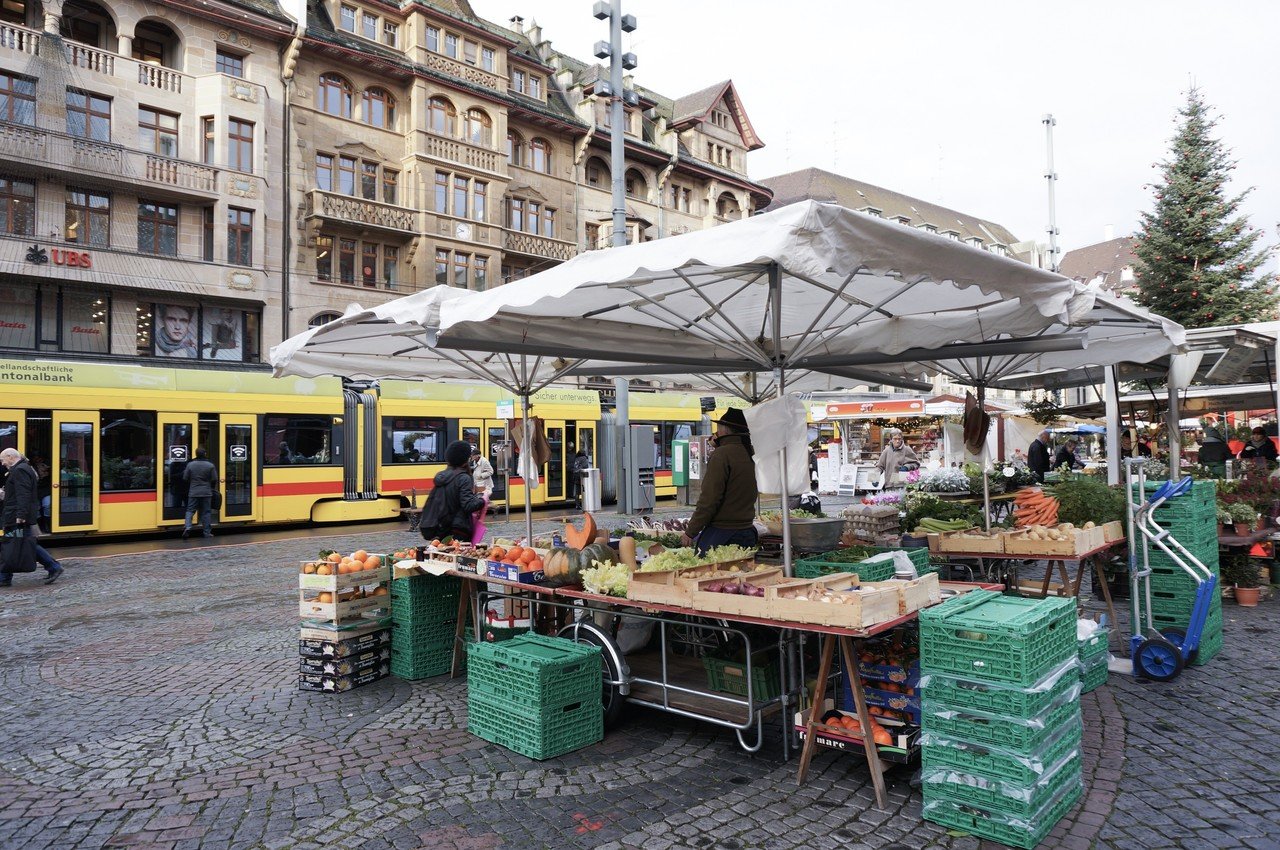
(527, 456)
(775, 297)
(982, 463)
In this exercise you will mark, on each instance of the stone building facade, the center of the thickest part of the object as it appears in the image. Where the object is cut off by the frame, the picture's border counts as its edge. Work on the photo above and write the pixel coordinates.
(139, 200)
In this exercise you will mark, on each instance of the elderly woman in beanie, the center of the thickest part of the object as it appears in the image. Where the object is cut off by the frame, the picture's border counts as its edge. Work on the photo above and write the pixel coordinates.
(896, 453)
(726, 509)
(453, 499)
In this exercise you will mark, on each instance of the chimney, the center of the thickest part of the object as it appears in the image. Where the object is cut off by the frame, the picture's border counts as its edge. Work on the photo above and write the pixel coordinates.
(1108, 232)
(517, 23)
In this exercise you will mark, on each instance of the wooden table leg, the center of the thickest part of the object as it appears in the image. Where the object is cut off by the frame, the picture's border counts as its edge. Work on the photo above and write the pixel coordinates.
(815, 705)
(864, 719)
(1065, 574)
(466, 611)
(1100, 576)
(1048, 576)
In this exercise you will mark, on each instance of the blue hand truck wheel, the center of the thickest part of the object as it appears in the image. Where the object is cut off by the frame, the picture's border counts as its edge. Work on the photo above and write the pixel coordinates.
(1158, 659)
(1178, 637)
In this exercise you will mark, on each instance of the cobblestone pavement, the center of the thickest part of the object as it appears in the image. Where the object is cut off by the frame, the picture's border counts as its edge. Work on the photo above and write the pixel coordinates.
(151, 702)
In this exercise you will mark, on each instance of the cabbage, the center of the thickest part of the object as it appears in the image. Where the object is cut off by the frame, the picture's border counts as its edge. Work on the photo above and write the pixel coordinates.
(608, 579)
(672, 559)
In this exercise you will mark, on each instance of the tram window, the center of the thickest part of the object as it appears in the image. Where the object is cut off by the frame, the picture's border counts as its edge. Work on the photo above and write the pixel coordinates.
(128, 450)
(663, 437)
(297, 440)
(413, 440)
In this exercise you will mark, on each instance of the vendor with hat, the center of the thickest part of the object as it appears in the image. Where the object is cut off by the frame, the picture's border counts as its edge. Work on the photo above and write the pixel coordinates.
(896, 454)
(726, 510)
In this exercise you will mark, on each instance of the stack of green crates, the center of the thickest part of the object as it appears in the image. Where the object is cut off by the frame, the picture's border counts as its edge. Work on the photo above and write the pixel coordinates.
(1192, 519)
(535, 695)
(825, 564)
(1000, 750)
(1094, 656)
(424, 622)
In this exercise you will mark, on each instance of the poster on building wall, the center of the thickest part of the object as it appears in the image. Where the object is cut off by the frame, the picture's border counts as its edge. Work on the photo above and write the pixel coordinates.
(223, 334)
(175, 331)
(17, 316)
(84, 322)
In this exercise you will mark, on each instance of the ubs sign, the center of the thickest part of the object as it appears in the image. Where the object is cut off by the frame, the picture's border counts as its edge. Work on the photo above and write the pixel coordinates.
(60, 257)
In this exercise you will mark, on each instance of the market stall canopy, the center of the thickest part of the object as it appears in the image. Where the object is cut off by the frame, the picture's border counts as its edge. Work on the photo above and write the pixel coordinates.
(1148, 405)
(1113, 330)
(837, 289)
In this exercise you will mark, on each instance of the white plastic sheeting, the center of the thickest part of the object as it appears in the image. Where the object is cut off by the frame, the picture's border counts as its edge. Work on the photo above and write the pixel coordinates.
(777, 426)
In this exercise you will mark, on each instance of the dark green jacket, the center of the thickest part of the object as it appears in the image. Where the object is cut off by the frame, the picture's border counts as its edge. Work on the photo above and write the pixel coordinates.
(728, 498)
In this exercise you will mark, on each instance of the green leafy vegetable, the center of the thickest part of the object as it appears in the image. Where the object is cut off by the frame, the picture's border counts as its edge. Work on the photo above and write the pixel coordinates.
(609, 579)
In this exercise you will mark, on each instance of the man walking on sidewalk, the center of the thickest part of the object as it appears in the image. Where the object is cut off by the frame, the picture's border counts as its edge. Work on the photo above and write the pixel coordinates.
(22, 510)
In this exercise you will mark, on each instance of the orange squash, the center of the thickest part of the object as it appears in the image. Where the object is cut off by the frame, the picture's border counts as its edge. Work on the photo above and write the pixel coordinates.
(575, 538)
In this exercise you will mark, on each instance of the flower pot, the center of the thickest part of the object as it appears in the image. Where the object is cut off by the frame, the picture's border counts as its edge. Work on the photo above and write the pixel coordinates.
(1262, 522)
(1247, 597)
(1224, 528)
(1241, 529)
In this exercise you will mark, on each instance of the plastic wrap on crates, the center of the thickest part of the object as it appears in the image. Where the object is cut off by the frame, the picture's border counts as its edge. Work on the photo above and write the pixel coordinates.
(1039, 722)
(1045, 685)
(995, 787)
(1019, 765)
(1024, 831)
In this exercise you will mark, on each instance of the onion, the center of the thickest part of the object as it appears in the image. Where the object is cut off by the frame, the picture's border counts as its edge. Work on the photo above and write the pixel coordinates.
(731, 588)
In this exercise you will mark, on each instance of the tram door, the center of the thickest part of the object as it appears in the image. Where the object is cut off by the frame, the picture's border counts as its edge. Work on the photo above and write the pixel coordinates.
(498, 450)
(75, 476)
(236, 467)
(177, 434)
(12, 425)
(556, 467)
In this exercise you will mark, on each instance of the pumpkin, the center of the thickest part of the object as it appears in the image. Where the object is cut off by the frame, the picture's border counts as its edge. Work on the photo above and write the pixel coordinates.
(564, 566)
(575, 538)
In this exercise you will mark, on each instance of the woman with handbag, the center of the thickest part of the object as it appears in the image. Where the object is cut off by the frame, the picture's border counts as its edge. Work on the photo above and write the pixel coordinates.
(20, 552)
(453, 499)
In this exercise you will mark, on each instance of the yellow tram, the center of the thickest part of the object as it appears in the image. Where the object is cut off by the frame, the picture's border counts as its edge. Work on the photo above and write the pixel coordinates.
(111, 440)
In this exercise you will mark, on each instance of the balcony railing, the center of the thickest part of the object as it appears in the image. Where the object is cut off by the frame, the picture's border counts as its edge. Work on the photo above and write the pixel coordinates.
(453, 150)
(90, 58)
(20, 39)
(358, 211)
(537, 246)
(165, 79)
(461, 70)
(47, 150)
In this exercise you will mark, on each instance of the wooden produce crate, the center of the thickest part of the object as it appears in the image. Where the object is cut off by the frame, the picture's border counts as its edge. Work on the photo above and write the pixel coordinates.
(377, 575)
(1077, 542)
(867, 605)
(915, 594)
(735, 603)
(310, 607)
(970, 540)
(673, 587)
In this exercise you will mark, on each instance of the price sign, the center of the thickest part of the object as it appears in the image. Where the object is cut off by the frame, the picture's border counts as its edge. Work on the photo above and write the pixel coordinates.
(506, 409)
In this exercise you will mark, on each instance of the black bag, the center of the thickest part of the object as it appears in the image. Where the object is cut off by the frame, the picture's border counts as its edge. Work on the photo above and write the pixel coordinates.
(18, 551)
(215, 500)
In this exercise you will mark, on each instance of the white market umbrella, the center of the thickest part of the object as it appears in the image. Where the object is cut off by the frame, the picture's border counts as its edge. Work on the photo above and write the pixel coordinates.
(809, 286)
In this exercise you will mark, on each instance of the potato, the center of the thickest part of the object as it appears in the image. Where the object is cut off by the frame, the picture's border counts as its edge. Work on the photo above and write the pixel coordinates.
(1089, 524)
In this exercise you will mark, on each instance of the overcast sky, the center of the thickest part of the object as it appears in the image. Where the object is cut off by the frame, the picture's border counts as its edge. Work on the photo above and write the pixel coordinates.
(943, 101)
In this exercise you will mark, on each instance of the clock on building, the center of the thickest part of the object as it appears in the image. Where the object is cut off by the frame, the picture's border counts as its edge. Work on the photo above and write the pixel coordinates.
(462, 230)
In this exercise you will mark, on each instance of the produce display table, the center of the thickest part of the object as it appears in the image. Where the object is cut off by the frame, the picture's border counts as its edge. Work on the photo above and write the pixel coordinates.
(678, 685)
(1055, 562)
(1001, 504)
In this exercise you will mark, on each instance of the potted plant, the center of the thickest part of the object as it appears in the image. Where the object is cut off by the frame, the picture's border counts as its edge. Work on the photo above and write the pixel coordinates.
(1240, 570)
(1224, 519)
(1243, 517)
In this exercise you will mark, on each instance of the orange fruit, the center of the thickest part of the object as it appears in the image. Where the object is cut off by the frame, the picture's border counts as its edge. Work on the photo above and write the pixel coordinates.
(324, 570)
(372, 562)
(527, 555)
(326, 598)
(536, 564)
(334, 557)
(359, 555)
(309, 569)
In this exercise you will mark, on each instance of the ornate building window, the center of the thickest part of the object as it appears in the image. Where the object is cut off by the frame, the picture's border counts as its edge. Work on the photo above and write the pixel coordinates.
(335, 95)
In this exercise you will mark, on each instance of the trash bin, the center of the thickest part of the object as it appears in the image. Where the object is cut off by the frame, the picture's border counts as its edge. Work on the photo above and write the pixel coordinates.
(592, 492)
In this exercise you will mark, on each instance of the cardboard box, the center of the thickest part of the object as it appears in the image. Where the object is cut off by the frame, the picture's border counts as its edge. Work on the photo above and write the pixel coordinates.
(352, 665)
(323, 683)
(905, 738)
(971, 540)
(513, 572)
(323, 643)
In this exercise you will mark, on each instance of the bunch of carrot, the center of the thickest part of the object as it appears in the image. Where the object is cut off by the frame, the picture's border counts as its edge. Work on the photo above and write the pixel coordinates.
(1031, 506)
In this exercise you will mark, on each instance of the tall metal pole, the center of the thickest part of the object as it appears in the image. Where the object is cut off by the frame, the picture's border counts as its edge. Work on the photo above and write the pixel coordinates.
(779, 374)
(1051, 177)
(526, 454)
(622, 415)
(1112, 399)
(617, 118)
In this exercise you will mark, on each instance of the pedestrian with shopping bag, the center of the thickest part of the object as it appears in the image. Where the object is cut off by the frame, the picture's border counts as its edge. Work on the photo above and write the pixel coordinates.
(19, 551)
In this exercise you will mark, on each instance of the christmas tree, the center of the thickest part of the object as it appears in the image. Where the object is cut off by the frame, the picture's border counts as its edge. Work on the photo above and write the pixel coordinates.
(1199, 256)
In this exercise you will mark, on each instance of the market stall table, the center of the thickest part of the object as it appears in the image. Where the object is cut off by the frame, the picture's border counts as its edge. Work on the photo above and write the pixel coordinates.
(1000, 504)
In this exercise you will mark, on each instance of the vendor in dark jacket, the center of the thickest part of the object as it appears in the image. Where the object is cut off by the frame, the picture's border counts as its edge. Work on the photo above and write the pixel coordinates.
(1038, 455)
(1066, 456)
(453, 497)
(726, 510)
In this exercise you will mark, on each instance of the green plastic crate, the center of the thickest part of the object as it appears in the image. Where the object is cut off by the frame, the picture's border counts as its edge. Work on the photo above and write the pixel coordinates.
(1012, 765)
(1094, 645)
(731, 676)
(1094, 673)
(490, 680)
(1024, 833)
(425, 598)
(569, 728)
(980, 727)
(1000, 795)
(1210, 646)
(988, 636)
(423, 665)
(820, 565)
(1010, 701)
(411, 635)
(534, 664)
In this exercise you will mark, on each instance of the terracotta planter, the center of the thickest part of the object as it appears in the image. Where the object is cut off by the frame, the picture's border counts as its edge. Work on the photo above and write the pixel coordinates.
(1247, 597)
(1241, 529)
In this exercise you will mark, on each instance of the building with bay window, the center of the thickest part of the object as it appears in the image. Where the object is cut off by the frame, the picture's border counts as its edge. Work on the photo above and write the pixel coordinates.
(137, 211)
